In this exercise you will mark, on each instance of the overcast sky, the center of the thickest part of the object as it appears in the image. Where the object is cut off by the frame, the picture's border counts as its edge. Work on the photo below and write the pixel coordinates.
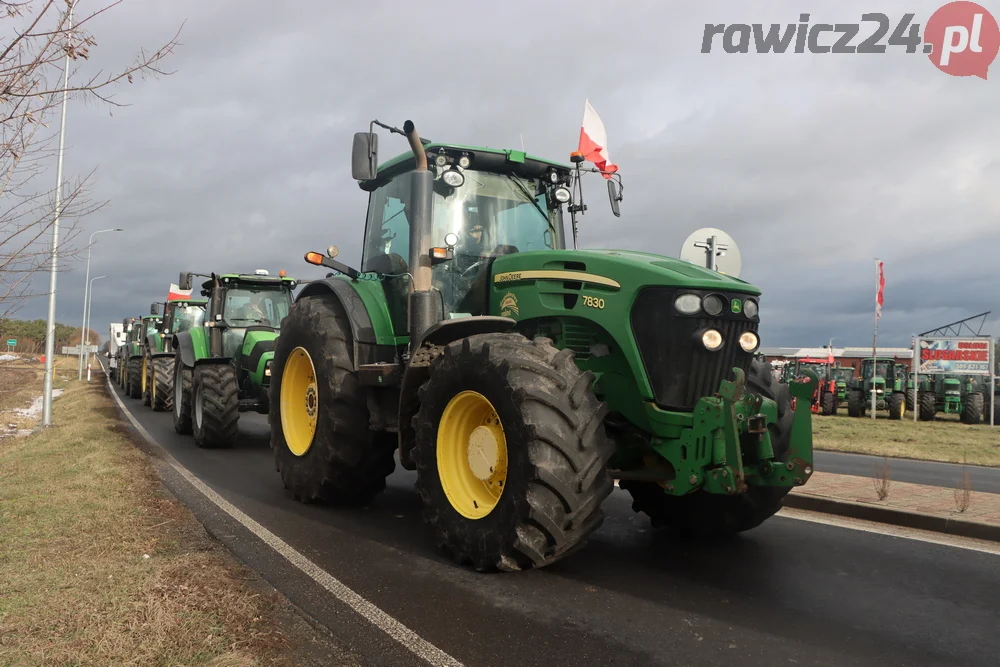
(814, 164)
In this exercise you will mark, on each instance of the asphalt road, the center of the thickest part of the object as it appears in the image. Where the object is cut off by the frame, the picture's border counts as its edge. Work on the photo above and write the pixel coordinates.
(789, 592)
(986, 480)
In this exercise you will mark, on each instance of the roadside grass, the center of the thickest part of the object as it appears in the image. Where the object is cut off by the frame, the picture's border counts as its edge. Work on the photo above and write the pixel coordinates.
(946, 439)
(100, 565)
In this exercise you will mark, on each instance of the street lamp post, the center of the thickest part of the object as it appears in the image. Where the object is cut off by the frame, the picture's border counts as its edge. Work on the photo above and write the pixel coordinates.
(86, 293)
(90, 303)
(50, 328)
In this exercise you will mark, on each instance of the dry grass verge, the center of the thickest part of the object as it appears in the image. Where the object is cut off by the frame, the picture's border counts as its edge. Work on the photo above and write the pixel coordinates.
(945, 439)
(100, 565)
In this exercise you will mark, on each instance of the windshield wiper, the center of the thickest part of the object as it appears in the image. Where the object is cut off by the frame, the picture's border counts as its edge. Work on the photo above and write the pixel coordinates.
(527, 195)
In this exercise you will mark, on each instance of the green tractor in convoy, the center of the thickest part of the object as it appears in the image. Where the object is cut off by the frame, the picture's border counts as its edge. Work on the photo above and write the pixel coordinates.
(963, 395)
(180, 314)
(134, 361)
(519, 378)
(121, 354)
(881, 375)
(842, 377)
(222, 367)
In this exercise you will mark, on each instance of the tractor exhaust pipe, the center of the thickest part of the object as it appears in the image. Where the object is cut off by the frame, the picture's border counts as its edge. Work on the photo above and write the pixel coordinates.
(425, 305)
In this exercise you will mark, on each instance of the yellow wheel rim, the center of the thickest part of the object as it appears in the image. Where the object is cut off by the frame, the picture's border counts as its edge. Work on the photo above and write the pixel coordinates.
(471, 455)
(299, 401)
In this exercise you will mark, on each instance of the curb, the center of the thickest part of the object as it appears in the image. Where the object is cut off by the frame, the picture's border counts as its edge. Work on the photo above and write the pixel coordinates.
(930, 522)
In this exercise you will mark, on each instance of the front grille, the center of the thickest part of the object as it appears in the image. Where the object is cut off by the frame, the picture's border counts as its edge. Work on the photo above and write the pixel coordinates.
(679, 368)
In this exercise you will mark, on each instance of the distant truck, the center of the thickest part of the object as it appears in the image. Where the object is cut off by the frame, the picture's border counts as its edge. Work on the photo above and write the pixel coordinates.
(116, 338)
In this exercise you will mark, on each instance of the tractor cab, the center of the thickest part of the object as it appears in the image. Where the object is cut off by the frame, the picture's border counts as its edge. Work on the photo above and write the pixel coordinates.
(884, 377)
(240, 304)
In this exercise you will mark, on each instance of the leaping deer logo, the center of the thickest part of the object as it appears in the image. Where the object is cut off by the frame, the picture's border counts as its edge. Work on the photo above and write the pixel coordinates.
(508, 305)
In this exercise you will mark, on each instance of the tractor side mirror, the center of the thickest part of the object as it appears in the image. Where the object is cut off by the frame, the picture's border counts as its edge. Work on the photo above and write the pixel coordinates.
(615, 195)
(364, 156)
(186, 280)
(154, 309)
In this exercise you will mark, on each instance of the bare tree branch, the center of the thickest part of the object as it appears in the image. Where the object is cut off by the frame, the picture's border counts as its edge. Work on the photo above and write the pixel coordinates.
(32, 62)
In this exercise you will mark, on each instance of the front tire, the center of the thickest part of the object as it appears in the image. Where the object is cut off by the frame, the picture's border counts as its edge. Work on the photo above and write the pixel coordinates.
(147, 380)
(896, 401)
(134, 386)
(708, 515)
(829, 403)
(323, 447)
(511, 452)
(972, 411)
(162, 398)
(854, 405)
(183, 390)
(216, 406)
(928, 406)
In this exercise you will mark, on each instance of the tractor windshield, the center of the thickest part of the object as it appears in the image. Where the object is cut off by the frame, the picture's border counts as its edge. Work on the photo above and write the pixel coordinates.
(843, 374)
(490, 213)
(253, 305)
(152, 326)
(883, 367)
(188, 317)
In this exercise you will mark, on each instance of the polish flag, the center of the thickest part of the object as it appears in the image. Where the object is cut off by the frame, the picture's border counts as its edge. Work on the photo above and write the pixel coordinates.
(594, 141)
(878, 295)
(177, 294)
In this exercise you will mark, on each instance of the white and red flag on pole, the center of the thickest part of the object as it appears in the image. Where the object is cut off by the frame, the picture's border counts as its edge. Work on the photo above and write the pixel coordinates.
(880, 288)
(175, 293)
(594, 141)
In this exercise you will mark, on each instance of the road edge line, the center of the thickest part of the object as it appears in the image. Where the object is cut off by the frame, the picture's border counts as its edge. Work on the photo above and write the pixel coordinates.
(893, 517)
(363, 607)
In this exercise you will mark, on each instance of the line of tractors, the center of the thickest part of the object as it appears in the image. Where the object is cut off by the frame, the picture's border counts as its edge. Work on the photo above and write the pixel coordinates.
(969, 396)
(518, 377)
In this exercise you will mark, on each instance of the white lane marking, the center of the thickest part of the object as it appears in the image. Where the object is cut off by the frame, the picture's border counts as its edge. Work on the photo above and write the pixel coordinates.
(370, 612)
(943, 539)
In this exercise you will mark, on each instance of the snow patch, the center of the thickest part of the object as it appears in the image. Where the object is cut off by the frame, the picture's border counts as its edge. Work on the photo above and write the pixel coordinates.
(35, 410)
(8, 357)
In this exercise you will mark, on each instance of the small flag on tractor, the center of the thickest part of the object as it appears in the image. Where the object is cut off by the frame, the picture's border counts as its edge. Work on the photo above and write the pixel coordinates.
(594, 141)
(879, 294)
(177, 294)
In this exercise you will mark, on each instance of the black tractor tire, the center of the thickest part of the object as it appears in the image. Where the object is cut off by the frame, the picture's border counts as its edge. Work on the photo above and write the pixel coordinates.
(557, 452)
(134, 383)
(855, 407)
(163, 384)
(928, 406)
(996, 411)
(146, 386)
(896, 401)
(346, 463)
(216, 405)
(828, 403)
(911, 399)
(709, 515)
(972, 411)
(183, 391)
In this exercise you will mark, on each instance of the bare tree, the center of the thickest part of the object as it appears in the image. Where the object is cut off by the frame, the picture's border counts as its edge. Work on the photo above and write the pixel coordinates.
(41, 36)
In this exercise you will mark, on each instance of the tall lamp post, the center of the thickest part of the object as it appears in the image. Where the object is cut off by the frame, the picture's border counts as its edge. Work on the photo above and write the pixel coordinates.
(86, 295)
(50, 328)
(90, 303)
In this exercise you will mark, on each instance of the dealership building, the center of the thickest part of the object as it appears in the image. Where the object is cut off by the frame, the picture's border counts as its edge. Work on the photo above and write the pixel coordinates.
(842, 356)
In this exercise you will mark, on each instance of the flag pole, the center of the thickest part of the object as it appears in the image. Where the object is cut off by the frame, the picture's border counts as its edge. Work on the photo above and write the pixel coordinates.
(875, 340)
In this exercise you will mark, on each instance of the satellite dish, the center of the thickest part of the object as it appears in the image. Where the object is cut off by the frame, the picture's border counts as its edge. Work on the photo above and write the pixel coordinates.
(697, 249)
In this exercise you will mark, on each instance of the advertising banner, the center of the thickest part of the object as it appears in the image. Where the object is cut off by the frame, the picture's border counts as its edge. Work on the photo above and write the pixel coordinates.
(959, 356)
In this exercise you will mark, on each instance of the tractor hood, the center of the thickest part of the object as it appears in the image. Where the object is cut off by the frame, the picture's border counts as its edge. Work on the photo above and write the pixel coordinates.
(617, 268)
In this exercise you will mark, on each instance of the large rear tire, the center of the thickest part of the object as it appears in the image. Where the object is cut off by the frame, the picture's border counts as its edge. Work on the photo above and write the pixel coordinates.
(163, 384)
(323, 446)
(511, 452)
(855, 408)
(147, 380)
(972, 411)
(928, 406)
(896, 402)
(134, 383)
(709, 515)
(183, 390)
(829, 403)
(216, 406)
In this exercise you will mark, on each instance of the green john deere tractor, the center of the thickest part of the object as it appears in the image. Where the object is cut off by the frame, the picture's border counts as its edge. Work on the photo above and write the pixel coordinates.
(121, 355)
(881, 375)
(519, 378)
(222, 367)
(180, 314)
(135, 381)
(962, 395)
(842, 377)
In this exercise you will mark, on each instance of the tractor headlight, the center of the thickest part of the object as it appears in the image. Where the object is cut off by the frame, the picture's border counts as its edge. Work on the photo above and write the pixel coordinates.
(453, 177)
(689, 304)
(561, 194)
(750, 308)
(464, 162)
(441, 160)
(712, 340)
(712, 304)
(749, 341)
